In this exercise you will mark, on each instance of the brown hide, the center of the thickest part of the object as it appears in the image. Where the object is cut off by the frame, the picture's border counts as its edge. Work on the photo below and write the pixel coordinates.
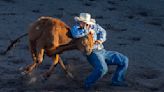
(52, 36)
(50, 33)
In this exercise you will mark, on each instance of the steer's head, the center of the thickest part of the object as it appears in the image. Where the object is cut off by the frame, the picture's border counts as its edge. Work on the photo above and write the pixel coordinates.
(86, 44)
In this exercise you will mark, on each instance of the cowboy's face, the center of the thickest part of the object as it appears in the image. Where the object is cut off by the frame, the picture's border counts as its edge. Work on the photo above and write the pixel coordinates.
(84, 25)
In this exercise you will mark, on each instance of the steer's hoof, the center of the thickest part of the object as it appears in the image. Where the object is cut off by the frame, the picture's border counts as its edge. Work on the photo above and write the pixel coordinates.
(69, 74)
(23, 73)
(32, 80)
(21, 69)
(43, 78)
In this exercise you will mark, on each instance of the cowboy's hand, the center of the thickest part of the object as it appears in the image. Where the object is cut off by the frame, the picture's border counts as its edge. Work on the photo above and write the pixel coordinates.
(98, 42)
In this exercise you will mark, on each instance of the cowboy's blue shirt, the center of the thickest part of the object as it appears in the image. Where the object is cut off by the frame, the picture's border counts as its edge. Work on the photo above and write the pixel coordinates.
(99, 34)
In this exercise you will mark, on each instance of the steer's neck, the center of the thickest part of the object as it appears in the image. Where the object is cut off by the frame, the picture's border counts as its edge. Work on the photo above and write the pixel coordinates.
(66, 47)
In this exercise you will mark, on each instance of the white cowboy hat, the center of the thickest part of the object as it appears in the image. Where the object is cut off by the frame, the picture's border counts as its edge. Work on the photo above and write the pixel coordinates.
(85, 17)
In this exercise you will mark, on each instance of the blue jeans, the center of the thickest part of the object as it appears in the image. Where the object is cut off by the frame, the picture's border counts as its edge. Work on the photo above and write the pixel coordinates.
(99, 59)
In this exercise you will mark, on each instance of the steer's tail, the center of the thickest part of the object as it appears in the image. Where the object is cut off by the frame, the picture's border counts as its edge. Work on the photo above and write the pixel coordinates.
(13, 43)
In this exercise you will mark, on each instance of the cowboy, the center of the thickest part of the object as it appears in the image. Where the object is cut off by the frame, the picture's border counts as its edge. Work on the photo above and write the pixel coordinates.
(100, 58)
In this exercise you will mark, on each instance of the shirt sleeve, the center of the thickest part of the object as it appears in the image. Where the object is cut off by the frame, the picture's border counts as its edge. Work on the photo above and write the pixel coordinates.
(78, 32)
(101, 33)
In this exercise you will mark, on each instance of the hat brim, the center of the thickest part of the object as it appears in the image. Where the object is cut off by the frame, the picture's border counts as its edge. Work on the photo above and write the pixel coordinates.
(92, 21)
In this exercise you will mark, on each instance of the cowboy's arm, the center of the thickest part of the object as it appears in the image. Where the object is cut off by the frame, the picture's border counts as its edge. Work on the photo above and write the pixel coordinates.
(77, 32)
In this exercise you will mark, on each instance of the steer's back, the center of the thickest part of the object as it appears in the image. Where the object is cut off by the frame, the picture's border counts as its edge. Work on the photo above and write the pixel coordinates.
(49, 32)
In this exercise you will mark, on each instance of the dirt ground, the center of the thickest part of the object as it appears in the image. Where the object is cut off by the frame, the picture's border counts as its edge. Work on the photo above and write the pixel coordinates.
(134, 28)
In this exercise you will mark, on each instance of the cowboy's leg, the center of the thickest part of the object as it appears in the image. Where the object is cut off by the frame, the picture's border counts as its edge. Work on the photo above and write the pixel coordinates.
(115, 58)
(97, 60)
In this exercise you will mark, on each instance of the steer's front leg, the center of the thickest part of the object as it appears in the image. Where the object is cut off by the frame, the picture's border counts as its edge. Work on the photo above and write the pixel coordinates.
(55, 60)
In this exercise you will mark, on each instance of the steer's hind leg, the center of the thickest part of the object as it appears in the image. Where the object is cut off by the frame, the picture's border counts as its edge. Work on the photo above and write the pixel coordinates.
(29, 68)
(37, 56)
(53, 65)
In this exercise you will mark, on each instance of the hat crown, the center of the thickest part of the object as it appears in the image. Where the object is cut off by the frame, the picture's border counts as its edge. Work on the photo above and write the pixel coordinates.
(85, 16)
